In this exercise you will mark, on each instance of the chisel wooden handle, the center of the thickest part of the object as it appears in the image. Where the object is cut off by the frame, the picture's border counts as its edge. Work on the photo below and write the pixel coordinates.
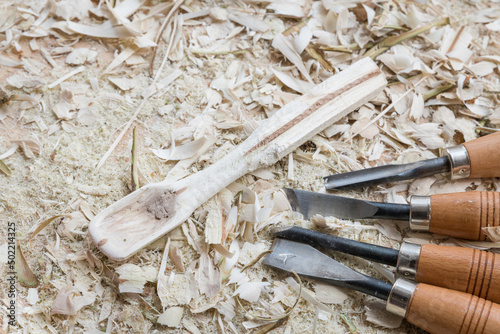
(443, 311)
(462, 269)
(463, 215)
(484, 155)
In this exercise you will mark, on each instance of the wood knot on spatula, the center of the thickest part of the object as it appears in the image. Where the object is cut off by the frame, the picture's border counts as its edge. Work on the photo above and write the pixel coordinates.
(162, 206)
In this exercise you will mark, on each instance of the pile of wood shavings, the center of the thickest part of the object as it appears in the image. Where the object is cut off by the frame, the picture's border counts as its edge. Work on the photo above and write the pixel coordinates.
(194, 78)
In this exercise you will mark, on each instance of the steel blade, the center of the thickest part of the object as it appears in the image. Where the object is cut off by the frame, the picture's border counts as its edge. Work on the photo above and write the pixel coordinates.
(388, 173)
(310, 203)
(367, 251)
(306, 261)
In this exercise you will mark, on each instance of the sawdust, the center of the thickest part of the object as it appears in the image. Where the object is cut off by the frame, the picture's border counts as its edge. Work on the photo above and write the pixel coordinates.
(231, 76)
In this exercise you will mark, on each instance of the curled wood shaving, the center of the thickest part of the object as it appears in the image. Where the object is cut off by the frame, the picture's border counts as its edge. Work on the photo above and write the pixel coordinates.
(376, 314)
(308, 295)
(493, 233)
(6, 61)
(222, 251)
(257, 259)
(123, 56)
(172, 316)
(24, 273)
(387, 43)
(450, 58)
(349, 323)
(436, 91)
(69, 300)
(5, 169)
(105, 30)
(176, 258)
(182, 152)
(87, 210)
(44, 224)
(267, 328)
(9, 152)
(281, 43)
(292, 82)
(317, 54)
(281, 317)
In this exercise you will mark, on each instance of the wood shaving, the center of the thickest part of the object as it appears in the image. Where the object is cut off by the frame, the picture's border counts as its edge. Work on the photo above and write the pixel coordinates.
(133, 278)
(376, 313)
(196, 78)
(172, 317)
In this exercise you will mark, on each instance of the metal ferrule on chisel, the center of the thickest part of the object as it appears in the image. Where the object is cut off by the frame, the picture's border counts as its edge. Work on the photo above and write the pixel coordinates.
(408, 257)
(459, 161)
(400, 297)
(420, 213)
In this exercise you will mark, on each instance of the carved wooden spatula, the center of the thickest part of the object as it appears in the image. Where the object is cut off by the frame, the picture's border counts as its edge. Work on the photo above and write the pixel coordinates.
(148, 213)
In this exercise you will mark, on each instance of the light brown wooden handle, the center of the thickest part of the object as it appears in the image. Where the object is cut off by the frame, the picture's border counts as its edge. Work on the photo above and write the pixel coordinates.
(443, 311)
(462, 269)
(463, 215)
(484, 155)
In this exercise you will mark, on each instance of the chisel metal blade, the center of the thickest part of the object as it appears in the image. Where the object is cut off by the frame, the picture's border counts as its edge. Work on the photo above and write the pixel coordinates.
(367, 251)
(385, 174)
(307, 261)
(310, 203)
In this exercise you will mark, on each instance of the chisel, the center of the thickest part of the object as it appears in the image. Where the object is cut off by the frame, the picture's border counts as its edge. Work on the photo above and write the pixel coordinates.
(457, 268)
(474, 159)
(434, 309)
(459, 215)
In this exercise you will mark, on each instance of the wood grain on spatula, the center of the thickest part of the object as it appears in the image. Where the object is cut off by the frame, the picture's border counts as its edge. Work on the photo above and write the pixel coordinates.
(148, 213)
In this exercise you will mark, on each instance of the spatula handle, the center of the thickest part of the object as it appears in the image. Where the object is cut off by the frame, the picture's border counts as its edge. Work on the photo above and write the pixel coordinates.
(443, 311)
(484, 155)
(462, 269)
(463, 215)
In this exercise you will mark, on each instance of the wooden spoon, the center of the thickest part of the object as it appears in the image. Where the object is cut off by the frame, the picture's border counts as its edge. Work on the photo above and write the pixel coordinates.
(148, 213)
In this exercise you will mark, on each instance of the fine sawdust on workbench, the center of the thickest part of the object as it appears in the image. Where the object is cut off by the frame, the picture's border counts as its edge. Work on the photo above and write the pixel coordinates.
(194, 78)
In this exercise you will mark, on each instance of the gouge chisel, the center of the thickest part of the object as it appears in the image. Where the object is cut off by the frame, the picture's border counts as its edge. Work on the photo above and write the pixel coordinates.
(434, 309)
(459, 215)
(457, 268)
(474, 159)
